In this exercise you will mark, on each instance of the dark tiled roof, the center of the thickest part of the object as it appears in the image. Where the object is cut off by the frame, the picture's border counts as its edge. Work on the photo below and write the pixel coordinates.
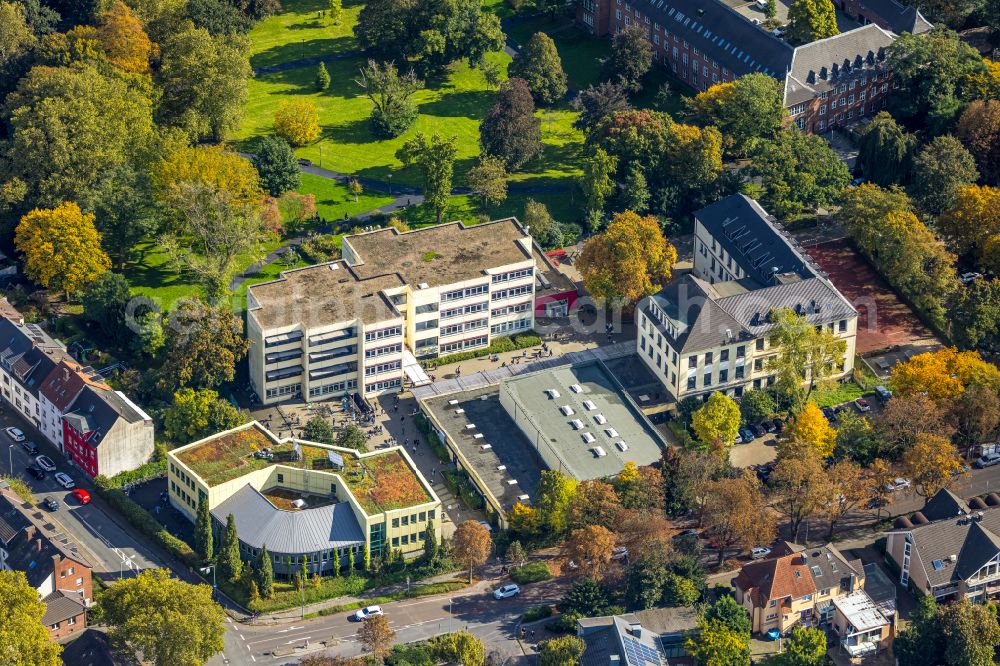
(830, 569)
(96, 410)
(66, 380)
(821, 65)
(900, 18)
(60, 606)
(945, 504)
(816, 299)
(698, 321)
(91, 648)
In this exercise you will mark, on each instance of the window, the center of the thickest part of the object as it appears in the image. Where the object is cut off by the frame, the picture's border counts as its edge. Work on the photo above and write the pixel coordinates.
(708, 358)
(822, 109)
(382, 386)
(760, 344)
(281, 478)
(424, 309)
(382, 351)
(723, 376)
(511, 292)
(693, 361)
(465, 309)
(692, 381)
(382, 368)
(389, 332)
(707, 379)
(724, 355)
(741, 351)
(465, 293)
(512, 275)
(842, 326)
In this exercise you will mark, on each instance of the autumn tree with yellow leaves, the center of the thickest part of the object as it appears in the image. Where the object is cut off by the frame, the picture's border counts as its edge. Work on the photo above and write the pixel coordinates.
(629, 261)
(716, 423)
(590, 549)
(61, 248)
(812, 428)
(735, 515)
(973, 220)
(125, 43)
(932, 464)
(297, 121)
(215, 166)
(943, 375)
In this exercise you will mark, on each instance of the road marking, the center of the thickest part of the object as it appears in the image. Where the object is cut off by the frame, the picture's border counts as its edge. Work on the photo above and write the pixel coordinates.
(271, 638)
(253, 657)
(285, 631)
(304, 638)
(241, 637)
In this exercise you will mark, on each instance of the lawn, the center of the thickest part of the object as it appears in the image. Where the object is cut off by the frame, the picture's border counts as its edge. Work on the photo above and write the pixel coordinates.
(333, 201)
(837, 395)
(298, 32)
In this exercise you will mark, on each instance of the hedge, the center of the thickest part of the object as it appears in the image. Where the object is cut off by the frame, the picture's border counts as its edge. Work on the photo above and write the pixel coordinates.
(499, 346)
(425, 426)
(145, 523)
(532, 572)
(536, 613)
(459, 485)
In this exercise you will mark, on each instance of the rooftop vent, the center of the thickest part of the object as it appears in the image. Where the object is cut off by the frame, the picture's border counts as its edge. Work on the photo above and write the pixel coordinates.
(610, 432)
(576, 388)
(501, 468)
(453, 402)
(588, 438)
(423, 285)
(459, 411)
(552, 393)
(299, 503)
(599, 452)
(566, 410)
(485, 447)
(622, 446)
(470, 426)
(599, 419)
(511, 482)
(589, 405)
(576, 423)
(523, 498)
(478, 435)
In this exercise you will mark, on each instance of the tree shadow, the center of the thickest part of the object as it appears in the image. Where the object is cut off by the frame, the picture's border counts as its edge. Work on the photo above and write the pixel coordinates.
(312, 24)
(358, 131)
(466, 104)
(311, 50)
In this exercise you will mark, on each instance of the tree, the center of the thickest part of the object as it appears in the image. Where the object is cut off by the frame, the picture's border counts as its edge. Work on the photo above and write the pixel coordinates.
(715, 644)
(647, 579)
(471, 544)
(812, 428)
(879, 479)
(539, 66)
(561, 651)
(805, 647)
(263, 573)
(61, 248)
(510, 130)
(23, 637)
(277, 165)
(322, 76)
(885, 150)
(635, 190)
(597, 181)
(67, 126)
(515, 555)
(356, 189)
(805, 354)
(897, 425)
(977, 414)
(391, 94)
(350, 563)
(297, 121)
(214, 167)
(124, 210)
(352, 437)
(734, 515)
(436, 160)
(431, 546)
(979, 131)
(630, 260)
(975, 315)
(125, 42)
(228, 557)
(801, 487)
(679, 591)
(811, 20)
(944, 374)
(594, 502)
(849, 490)
(335, 11)
(640, 489)
(203, 346)
(377, 636)
(746, 111)
(198, 414)
(219, 17)
(771, 9)
(553, 498)
(716, 423)
(960, 634)
(105, 302)
(586, 598)
(590, 547)
(756, 405)
(973, 221)
(460, 647)
(857, 440)
(631, 58)
(203, 532)
(488, 180)
(598, 102)
(318, 430)
(942, 168)
(799, 172)
(932, 463)
(166, 620)
(544, 229)
(204, 82)
(730, 614)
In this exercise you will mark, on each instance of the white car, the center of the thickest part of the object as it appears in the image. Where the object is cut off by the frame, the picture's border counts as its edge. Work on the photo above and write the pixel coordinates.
(897, 484)
(15, 434)
(46, 463)
(63, 480)
(759, 553)
(368, 611)
(506, 592)
(987, 460)
(619, 553)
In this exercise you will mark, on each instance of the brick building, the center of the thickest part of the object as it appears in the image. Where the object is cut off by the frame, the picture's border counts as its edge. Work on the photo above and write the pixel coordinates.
(888, 14)
(828, 83)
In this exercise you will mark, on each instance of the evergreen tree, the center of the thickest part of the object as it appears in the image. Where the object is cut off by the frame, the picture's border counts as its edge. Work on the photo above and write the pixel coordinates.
(335, 11)
(771, 10)
(367, 558)
(203, 532)
(636, 194)
(511, 130)
(336, 564)
(264, 573)
(322, 78)
(541, 68)
(631, 58)
(515, 554)
(350, 562)
(229, 563)
(430, 543)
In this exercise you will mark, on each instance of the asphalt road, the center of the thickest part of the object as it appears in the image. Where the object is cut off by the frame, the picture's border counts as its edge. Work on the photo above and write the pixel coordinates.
(495, 622)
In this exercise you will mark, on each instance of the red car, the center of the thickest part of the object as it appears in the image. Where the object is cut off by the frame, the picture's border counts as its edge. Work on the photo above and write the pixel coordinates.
(81, 495)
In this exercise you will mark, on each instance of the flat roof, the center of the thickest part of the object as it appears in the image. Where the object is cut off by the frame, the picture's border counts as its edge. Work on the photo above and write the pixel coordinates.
(441, 254)
(501, 444)
(322, 295)
(380, 480)
(860, 611)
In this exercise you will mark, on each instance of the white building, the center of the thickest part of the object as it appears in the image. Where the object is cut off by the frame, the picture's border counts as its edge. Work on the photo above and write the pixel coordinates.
(358, 324)
(709, 329)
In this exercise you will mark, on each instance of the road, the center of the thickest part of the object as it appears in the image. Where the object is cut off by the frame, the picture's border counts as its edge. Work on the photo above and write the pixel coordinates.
(104, 538)
(495, 622)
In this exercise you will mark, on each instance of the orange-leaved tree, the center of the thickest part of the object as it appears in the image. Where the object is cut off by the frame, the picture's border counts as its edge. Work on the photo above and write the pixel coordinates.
(471, 543)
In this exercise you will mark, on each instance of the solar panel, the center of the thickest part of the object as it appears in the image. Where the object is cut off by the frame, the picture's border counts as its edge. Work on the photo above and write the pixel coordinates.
(938, 565)
(335, 458)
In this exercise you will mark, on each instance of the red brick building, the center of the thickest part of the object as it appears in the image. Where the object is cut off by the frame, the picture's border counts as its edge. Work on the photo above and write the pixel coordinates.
(888, 14)
(828, 83)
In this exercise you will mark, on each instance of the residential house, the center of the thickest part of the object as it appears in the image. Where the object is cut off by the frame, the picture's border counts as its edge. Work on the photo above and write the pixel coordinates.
(58, 572)
(359, 325)
(58, 393)
(653, 637)
(827, 83)
(709, 330)
(106, 433)
(950, 548)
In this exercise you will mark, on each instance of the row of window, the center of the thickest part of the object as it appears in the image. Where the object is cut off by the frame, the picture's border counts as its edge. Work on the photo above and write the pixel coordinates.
(333, 336)
(473, 325)
(383, 333)
(382, 386)
(425, 308)
(382, 368)
(512, 275)
(334, 387)
(511, 293)
(329, 355)
(511, 309)
(465, 293)
(471, 308)
(278, 357)
(290, 389)
(383, 351)
(510, 326)
(413, 518)
(470, 343)
(283, 373)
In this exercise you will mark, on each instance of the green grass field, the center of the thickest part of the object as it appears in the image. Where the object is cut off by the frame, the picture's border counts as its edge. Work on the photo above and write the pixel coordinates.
(298, 32)
(333, 201)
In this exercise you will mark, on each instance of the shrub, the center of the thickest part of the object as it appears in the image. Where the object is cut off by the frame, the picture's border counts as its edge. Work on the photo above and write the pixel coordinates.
(319, 249)
(536, 613)
(20, 488)
(499, 346)
(151, 470)
(532, 572)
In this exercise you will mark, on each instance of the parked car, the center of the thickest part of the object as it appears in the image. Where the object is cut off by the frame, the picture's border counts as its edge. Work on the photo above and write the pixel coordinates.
(30, 447)
(81, 495)
(829, 413)
(969, 278)
(897, 484)
(506, 592)
(367, 611)
(15, 434)
(619, 553)
(778, 425)
(689, 532)
(876, 502)
(50, 503)
(862, 405)
(883, 393)
(987, 460)
(36, 472)
(759, 430)
(64, 480)
(764, 471)
(759, 553)
(962, 469)
(770, 426)
(739, 439)
(45, 463)
(747, 434)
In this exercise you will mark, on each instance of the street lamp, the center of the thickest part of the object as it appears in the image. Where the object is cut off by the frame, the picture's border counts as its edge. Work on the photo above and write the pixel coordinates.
(390, 184)
(204, 570)
(10, 458)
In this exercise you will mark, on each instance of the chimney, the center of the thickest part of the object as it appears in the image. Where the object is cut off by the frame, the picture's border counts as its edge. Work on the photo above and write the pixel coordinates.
(65, 374)
(852, 583)
(38, 544)
(635, 629)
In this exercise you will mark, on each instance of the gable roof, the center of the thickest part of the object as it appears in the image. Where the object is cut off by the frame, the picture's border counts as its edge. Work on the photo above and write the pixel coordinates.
(945, 504)
(899, 17)
(819, 66)
(776, 578)
(28, 548)
(64, 383)
(60, 606)
(98, 409)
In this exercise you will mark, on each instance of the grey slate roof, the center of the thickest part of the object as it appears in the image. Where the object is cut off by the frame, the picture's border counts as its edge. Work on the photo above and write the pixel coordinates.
(816, 299)
(819, 66)
(633, 637)
(259, 523)
(28, 549)
(900, 18)
(830, 569)
(701, 322)
(96, 410)
(945, 504)
(60, 606)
